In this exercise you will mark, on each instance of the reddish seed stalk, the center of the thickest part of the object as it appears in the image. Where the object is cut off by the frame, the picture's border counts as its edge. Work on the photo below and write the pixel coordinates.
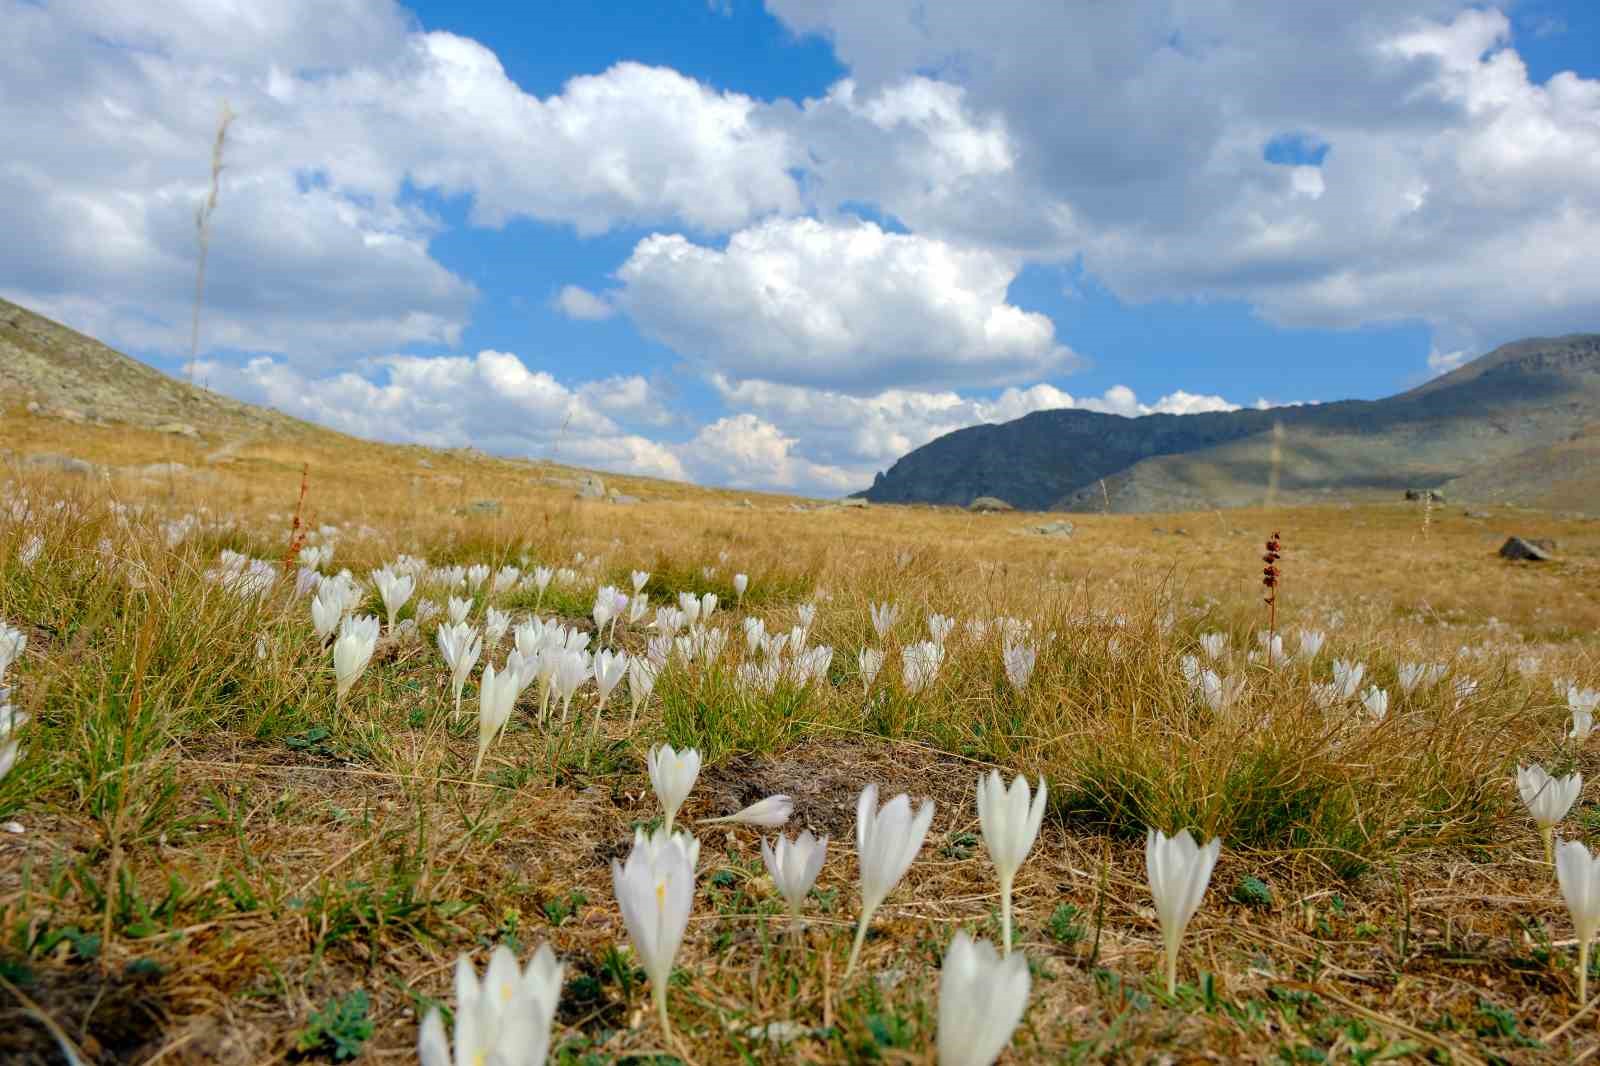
(297, 527)
(1271, 576)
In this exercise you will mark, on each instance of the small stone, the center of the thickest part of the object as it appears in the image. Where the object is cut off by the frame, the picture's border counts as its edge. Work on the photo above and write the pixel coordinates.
(180, 429)
(1526, 550)
(1061, 528)
(484, 507)
(65, 464)
(989, 504)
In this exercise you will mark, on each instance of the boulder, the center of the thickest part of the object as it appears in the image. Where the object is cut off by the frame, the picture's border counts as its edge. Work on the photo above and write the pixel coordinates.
(65, 464)
(1428, 495)
(623, 498)
(988, 504)
(852, 501)
(484, 507)
(1528, 550)
(590, 487)
(179, 429)
(1059, 528)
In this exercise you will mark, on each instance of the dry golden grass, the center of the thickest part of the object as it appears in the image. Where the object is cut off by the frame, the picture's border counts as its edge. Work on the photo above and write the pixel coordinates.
(209, 854)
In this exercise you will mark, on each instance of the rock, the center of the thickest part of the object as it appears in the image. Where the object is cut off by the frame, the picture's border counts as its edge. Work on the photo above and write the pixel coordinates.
(746, 504)
(484, 507)
(1428, 495)
(1180, 532)
(1518, 548)
(852, 501)
(68, 414)
(590, 487)
(180, 429)
(34, 407)
(987, 504)
(65, 464)
(1060, 528)
(623, 498)
(1475, 514)
(425, 464)
(160, 470)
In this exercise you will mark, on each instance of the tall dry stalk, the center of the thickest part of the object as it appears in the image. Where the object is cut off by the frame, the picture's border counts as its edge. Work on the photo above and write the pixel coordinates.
(202, 225)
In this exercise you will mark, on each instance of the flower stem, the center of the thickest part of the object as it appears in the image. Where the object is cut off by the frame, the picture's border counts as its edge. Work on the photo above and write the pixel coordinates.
(1005, 913)
(861, 938)
(659, 988)
(1583, 972)
(1172, 970)
(1547, 834)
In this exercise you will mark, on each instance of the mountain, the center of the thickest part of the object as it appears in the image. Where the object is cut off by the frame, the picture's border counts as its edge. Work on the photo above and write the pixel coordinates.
(1532, 407)
(78, 378)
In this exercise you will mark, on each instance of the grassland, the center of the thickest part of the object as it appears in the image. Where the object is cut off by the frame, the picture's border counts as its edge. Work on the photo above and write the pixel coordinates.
(208, 863)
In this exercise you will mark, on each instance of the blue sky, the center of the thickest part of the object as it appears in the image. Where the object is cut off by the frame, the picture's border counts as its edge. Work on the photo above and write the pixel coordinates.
(777, 245)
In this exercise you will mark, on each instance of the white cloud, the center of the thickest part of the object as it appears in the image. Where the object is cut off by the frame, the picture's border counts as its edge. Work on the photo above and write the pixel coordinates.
(491, 400)
(1454, 190)
(743, 451)
(1444, 362)
(574, 301)
(847, 305)
(855, 436)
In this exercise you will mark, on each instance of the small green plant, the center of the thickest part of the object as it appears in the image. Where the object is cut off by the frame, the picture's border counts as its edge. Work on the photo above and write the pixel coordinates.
(1252, 892)
(1066, 926)
(560, 908)
(341, 1027)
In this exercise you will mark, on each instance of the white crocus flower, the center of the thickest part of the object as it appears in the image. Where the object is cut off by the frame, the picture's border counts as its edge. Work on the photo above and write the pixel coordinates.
(326, 611)
(868, 662)
(1179, 871)
(640, 579)
(1311, 641)
(883, 618)
(497, 695)
(495, 624)
(1347, 678)
(394, 589)
(352, 651)
(505, 1020)
(1018, 660)
(641, 682)
(1582, 703)
(1213, 644)
(1579, 875)
(457, 610)
(672, 775)
(655, 889)
(982, 997)
(794, 866)
(1010, 824)
(461, 646)
(1376, 701)
(887, 840)
(769, 813)
(921, 663)
(609, 669)
(740, 583)
(1548, 800)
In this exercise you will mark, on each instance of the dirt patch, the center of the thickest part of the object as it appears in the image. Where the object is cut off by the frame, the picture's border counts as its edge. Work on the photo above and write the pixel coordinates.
(825, 779)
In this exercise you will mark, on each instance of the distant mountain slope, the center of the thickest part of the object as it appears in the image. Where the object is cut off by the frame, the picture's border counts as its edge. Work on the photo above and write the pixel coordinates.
(44, 362)
(1513, 401)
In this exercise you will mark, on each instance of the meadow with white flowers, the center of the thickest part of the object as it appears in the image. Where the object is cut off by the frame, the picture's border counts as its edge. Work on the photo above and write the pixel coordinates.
(693, 781)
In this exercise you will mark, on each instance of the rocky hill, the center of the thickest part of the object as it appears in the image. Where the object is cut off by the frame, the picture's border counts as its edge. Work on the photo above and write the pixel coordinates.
(1519, 408)
(61, 372)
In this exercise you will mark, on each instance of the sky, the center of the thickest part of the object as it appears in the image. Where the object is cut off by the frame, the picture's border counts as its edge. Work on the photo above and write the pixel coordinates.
(777, 245)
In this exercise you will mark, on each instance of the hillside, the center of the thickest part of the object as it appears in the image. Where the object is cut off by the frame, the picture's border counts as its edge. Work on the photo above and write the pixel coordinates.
(1453, 433)
(67, 401)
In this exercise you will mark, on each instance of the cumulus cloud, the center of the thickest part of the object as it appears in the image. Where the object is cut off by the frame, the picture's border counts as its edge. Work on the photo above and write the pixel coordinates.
(575, 301)
(854, 436)
(1453, 190)
(849, 305)
(490, 400)
(321, 246)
